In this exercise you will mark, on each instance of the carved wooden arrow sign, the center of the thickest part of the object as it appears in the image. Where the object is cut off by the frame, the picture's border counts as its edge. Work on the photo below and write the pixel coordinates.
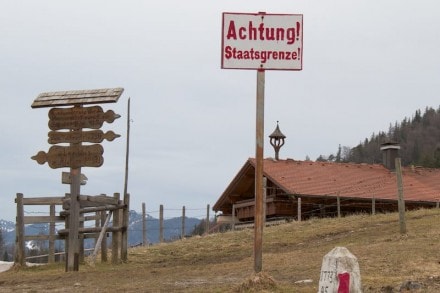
(71, 156)
(66, 178)
(80, 117)
(94, 136)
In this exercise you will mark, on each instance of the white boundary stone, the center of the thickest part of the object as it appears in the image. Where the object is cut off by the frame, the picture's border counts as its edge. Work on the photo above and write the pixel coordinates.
(335, 263)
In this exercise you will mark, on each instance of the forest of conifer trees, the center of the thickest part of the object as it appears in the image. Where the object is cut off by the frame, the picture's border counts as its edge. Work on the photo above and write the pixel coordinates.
(418, 137)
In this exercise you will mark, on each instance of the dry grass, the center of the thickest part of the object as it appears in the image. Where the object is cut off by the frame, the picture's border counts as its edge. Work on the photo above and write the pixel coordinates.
(292, 253)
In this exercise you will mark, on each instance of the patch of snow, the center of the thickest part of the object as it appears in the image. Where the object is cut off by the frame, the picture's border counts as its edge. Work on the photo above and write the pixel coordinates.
(6, 265)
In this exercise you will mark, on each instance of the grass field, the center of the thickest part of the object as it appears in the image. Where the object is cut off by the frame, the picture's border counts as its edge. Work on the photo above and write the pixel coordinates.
(292, 256)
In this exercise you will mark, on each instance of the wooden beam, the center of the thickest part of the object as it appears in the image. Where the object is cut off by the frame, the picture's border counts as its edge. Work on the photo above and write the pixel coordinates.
(77, 97)
(42, 219)
(87, 230)
(43, 200)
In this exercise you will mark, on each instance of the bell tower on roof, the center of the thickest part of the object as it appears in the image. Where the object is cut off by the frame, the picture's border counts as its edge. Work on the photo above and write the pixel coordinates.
(277, 140)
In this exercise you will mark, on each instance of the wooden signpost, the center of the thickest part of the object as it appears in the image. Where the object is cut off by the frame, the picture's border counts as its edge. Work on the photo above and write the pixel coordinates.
(65, 178)
(76, 155)
(94, 136)
(80, 117)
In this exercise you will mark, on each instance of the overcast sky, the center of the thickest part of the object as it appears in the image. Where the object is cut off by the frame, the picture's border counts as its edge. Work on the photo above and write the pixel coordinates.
(366, 64)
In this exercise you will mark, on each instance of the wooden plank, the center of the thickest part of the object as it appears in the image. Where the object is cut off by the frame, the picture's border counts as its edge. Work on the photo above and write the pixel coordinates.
(94, 236)
(102, 199)
(77, 97)
(42, 219)
(101, 236)
(71, 156)
(65, 178)
(250, 203)
(90, 204)
(91, 218)
(92, 136)
(88, 201)
(43, 201)
(95, 209)
(80, 117)
(41, 237)
(87, 230)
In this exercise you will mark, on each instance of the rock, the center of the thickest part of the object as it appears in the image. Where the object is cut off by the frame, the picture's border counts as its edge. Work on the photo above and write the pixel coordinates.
(340, 272)
(409, 286)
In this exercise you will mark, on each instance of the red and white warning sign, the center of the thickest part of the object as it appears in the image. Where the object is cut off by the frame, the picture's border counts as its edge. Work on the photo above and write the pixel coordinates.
(262, 41)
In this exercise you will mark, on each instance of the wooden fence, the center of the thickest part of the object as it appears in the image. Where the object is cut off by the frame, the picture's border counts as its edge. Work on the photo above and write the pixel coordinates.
(92, 208)
(161, 223)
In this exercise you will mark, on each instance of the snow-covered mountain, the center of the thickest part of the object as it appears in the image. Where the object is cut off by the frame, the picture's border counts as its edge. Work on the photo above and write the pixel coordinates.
(172, 229)
(8, 231)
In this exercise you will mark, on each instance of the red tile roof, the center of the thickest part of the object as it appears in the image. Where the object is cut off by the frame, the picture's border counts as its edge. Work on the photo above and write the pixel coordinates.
(352, 180)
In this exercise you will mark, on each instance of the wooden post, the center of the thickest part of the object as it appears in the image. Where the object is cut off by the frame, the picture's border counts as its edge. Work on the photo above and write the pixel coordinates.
(97, 224)
(125, 221)
(373, 206)
(182, 234)
(66, 238)
(338, 203)
(161, 223)
(233, 218)
(116, 235)
(127, 147)
(207, 220)
(126, 209)
(144, 226)
(264, 200)
(81, 240)
(99, 241)
(104, 256)
(400, 201)
(73, 245)
(259, 151)
(299, 209)
(322, 210)
(20, 257)
(437, 205)
(52, 234)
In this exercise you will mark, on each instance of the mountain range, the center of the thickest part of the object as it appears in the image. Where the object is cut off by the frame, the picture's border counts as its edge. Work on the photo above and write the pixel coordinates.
(172, 229)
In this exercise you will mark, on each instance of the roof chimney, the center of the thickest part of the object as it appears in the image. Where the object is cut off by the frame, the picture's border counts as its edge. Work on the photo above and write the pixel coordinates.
(390, 152)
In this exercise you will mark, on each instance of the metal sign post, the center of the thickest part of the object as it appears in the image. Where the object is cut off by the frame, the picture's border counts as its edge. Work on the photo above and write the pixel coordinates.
(260, 41)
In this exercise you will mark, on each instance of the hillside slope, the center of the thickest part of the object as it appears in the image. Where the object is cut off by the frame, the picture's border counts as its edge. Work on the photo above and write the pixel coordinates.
(292, 253)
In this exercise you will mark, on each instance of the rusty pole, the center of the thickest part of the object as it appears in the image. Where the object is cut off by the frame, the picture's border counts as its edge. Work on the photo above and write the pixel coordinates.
(259, 200)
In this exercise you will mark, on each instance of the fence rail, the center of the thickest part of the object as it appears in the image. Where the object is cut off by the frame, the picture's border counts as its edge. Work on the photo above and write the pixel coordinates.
(99, 206)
